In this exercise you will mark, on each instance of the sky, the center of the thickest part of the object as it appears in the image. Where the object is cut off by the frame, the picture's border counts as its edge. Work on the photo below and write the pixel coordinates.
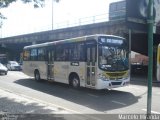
(24, 18)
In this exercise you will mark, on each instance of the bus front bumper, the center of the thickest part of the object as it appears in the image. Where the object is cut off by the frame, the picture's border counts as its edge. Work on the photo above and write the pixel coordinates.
(109, 84)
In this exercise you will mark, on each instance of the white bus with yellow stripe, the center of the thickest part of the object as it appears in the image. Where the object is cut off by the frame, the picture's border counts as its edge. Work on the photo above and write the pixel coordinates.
(95, 61)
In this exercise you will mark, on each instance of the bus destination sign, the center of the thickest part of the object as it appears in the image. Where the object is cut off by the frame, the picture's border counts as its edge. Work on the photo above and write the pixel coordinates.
(111, 41)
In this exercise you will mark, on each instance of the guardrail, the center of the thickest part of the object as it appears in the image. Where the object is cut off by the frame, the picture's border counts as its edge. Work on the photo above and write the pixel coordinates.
(83, 21)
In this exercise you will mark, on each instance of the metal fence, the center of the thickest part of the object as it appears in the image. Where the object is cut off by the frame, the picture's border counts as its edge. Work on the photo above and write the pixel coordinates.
(83, 21)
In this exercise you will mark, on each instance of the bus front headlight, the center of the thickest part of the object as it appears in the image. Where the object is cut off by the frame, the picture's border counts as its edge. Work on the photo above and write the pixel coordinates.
(103, 77)
(127, 75)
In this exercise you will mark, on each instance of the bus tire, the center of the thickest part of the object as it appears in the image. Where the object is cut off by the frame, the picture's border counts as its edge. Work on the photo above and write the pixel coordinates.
(75, 82)
(37, 76)
(5, 73)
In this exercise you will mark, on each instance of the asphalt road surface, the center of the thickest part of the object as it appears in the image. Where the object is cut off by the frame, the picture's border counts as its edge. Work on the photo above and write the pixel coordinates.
(21, 94)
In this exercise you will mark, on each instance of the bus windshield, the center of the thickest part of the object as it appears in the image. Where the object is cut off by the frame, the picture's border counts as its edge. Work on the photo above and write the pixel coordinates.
(113, 57)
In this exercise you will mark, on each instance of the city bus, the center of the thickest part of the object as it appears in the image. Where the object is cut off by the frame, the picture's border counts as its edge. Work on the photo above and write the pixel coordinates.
(96, 61)
(158, 63)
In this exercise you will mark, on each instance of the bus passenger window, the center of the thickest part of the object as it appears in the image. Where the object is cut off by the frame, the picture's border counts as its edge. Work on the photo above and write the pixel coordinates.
(61, 53)
(41, 54)
(33, 55)
(76, 52)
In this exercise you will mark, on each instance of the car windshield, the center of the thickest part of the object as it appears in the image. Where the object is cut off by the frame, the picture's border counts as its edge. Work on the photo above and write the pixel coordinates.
(113, 58)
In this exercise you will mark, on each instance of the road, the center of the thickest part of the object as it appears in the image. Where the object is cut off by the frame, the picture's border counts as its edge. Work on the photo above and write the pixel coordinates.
(131, 99)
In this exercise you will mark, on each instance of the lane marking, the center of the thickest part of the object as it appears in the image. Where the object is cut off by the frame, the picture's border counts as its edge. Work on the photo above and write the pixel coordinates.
(117, 102)
(154, 112)
(92, 95)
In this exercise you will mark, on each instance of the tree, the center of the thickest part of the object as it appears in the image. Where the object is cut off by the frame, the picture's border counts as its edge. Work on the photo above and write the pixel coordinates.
(37, 3)
(6, 3)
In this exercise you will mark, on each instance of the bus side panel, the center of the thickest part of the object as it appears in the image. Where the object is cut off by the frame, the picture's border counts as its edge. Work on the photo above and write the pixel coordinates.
(30, 66)
(27, 69)
(61, 71)
(80, 69)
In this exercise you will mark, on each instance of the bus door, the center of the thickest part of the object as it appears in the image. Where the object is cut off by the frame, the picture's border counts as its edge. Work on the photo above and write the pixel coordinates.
(50, 64)
(91, 63)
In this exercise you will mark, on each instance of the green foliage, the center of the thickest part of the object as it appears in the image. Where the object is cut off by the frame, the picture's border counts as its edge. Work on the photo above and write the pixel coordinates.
(6, 3)
(1, 19)
(37, 3)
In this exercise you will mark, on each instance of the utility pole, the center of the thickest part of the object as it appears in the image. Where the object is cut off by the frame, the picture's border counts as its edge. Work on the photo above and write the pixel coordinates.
(52, 13)
(150, 54)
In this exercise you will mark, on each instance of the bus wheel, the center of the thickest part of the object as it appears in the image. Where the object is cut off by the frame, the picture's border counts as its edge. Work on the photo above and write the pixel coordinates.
(75, 82)
(37, 76)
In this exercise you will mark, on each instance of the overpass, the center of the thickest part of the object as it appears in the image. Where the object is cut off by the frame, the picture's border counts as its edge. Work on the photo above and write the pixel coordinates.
(126, 19)
(15, 44)
(114, 27)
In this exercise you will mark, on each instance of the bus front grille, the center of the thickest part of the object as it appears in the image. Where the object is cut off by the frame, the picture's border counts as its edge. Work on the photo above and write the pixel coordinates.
(116, 74)
(116, 83)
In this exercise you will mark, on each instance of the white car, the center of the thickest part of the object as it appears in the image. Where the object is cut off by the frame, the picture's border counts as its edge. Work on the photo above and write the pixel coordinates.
(3, 69)
(13, 65)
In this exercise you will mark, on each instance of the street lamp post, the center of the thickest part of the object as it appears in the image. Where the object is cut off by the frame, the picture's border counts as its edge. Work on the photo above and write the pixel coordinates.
(52, 10)
(150, 54)
(52, 13)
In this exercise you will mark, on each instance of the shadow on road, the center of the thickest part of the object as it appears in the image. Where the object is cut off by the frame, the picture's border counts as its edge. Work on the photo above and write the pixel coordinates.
(11, 106)
(101, 100)
(10, 109)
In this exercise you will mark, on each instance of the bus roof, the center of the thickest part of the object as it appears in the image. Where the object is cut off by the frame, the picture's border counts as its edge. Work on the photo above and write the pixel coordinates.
(83, 38)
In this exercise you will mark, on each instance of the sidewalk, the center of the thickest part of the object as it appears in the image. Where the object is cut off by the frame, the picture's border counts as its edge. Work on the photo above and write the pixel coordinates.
(13, 107)
(17, 107)
(16, 104)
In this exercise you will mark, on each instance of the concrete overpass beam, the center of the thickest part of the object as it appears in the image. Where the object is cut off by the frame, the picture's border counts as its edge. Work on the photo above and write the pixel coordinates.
(34, 42)
(3, 45)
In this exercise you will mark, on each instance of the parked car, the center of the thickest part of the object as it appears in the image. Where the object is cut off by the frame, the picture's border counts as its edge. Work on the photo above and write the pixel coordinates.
(3, 69)
(137, 67)
(13, 65)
